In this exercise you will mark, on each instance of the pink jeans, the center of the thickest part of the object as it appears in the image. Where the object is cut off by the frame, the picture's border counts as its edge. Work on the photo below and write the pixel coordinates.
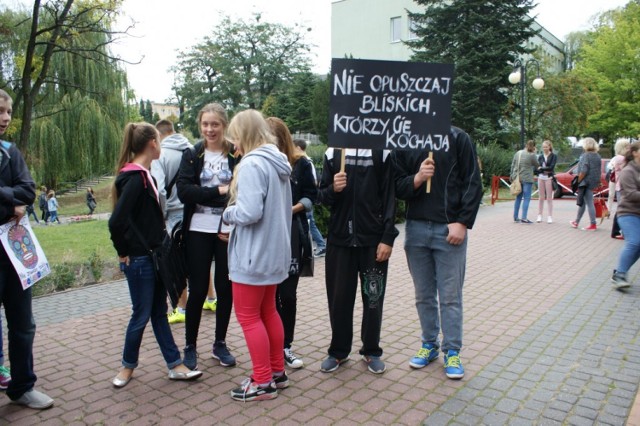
(262, 327)
(546, 192)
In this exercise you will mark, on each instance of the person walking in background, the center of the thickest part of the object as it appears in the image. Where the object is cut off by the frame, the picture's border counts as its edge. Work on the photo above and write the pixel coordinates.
(52, 207)
(42, 203)
(137, 227)
(613, 171)
(31, 212)
(522, 167)
(17, 190)
(436, 241)
(316, 235)
(203, 184)
(361, 235)
(259, 251)
(589, 171)
(304, 193)
(91, 201)
(547, 164)
(628, 216)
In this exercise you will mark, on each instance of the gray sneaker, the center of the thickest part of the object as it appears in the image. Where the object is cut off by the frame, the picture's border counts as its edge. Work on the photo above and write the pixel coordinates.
(331, 364)
(34, 399)
(374, 364)
(619, 280)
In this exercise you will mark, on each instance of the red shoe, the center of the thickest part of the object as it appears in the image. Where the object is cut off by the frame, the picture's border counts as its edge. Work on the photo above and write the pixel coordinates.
(591, 227)
(573, 224)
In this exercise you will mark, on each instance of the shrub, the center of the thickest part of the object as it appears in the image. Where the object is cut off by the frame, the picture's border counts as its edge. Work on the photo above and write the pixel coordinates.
(96, 264)
(495, 161)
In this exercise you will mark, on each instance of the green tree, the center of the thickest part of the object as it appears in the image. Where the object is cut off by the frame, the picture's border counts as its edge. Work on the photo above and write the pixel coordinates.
(148, 112)
(610, 60)
(71, 95)
(320, 108)
(481, 38)
(292, 102)
(240, 64)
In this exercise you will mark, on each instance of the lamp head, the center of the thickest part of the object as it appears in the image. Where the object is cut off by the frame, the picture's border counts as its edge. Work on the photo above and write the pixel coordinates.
(538, 83)
(514, 77)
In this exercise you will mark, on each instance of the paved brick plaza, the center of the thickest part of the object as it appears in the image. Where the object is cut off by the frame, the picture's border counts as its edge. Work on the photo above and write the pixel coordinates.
(547, 341)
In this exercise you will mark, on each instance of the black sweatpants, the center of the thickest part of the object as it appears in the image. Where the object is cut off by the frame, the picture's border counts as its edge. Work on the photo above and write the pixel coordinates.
(343, 265)
(202, 248)
(286, 303)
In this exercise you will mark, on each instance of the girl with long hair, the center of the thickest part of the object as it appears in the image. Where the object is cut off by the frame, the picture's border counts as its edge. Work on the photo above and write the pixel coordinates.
(259, 250)
(304, 193)
(137, 227)
(203, 186)
(547, 161)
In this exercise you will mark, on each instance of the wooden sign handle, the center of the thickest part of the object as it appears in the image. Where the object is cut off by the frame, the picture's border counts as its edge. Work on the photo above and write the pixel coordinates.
(429, 180)
(343, 159)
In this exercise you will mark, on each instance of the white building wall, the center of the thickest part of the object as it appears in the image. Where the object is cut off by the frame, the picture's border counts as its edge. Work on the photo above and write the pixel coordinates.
(362, 28)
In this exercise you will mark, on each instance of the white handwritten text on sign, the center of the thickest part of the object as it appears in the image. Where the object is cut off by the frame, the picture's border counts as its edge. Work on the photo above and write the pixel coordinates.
(390, 105)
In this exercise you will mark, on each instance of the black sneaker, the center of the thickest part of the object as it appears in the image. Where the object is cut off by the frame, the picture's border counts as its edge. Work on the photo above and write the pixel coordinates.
(250, 391)
(320, 252)
(190, 359)
(282, 382)
(292, 360)
(222, 354)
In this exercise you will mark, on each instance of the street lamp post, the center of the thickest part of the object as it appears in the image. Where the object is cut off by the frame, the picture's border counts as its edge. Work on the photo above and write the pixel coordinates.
(519, 76)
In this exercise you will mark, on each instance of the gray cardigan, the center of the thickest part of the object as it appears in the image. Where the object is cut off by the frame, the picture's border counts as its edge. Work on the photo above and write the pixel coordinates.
(591, 165)
(528, 163)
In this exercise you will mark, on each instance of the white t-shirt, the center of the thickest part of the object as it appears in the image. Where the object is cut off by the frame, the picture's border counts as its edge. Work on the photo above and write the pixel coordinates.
(215, 172)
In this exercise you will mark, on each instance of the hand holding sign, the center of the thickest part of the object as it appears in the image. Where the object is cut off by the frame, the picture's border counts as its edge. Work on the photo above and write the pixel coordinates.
(424, 174)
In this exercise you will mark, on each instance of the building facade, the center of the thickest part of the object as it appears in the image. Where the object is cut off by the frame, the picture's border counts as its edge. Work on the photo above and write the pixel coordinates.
(376, 29)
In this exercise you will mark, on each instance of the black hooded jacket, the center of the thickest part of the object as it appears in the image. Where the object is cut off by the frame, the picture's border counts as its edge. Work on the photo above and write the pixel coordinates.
(17, 187)
(363, 214)
(136, 202)
(456, 188)
(190, 191)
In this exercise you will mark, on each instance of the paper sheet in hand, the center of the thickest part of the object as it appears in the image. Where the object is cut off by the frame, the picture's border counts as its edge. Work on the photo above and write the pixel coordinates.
(22, 247)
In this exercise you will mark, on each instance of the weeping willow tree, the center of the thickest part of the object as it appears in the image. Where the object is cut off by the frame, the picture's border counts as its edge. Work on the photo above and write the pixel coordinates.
(71, 94)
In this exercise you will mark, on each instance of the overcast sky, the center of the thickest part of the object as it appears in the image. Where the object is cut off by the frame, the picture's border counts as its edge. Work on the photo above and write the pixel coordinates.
(164, 26)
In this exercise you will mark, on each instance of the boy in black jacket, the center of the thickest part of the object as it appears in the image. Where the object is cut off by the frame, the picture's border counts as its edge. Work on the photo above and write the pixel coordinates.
(17, 190)
(436, 240)
(360, 240)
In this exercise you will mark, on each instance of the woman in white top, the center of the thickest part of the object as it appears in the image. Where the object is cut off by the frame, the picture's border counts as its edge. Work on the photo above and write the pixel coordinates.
(203, 183)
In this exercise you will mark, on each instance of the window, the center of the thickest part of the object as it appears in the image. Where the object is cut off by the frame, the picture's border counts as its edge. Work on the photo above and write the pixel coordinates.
(412, 29)
(396, 29)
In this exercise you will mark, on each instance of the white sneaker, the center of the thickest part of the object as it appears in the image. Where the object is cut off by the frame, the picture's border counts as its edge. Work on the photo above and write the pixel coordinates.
(539, 219)
(34, 399)
(549, 220)
(292, 360)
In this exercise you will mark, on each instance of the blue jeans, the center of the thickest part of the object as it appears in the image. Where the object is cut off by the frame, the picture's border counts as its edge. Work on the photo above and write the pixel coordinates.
(630, 225)
(587, 203)
(21, 328)
(438, 270)
(526, 194)
(315, 232)
(149, 301)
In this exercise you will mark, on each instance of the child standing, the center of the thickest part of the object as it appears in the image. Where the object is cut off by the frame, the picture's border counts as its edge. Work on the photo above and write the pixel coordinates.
(259, 251)
(136, 227)
(17, 190)
(52, 206)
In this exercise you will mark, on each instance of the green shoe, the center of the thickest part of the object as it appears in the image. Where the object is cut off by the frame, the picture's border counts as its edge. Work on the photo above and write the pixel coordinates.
(210, 305)
(176, 316)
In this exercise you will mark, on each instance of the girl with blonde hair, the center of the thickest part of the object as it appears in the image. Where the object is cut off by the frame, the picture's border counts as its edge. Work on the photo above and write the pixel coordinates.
(547, 161)
(259, 250)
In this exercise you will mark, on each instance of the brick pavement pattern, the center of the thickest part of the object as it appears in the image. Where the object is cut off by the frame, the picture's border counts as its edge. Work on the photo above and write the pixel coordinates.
(546, 341)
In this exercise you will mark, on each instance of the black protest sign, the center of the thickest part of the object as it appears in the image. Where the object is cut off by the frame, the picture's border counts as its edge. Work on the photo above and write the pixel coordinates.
(390, 105)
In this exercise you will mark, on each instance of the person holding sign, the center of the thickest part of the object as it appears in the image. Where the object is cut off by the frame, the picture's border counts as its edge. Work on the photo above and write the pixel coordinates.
(358, 188)
(17, 190)
(436, 240)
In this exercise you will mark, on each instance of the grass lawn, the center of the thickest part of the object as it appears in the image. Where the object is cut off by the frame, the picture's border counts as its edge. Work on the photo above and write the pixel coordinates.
(72, 204)
(76, 242)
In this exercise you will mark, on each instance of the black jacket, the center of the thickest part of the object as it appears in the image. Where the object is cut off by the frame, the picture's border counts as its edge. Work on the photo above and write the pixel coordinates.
(456, 187)
(303, 185)
(136, 202)
(549, 167)
(17, 187)
(190, 192)
(363, 214)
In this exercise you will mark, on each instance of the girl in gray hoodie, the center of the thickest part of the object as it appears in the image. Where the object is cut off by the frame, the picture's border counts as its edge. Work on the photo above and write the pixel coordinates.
(259, 250)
